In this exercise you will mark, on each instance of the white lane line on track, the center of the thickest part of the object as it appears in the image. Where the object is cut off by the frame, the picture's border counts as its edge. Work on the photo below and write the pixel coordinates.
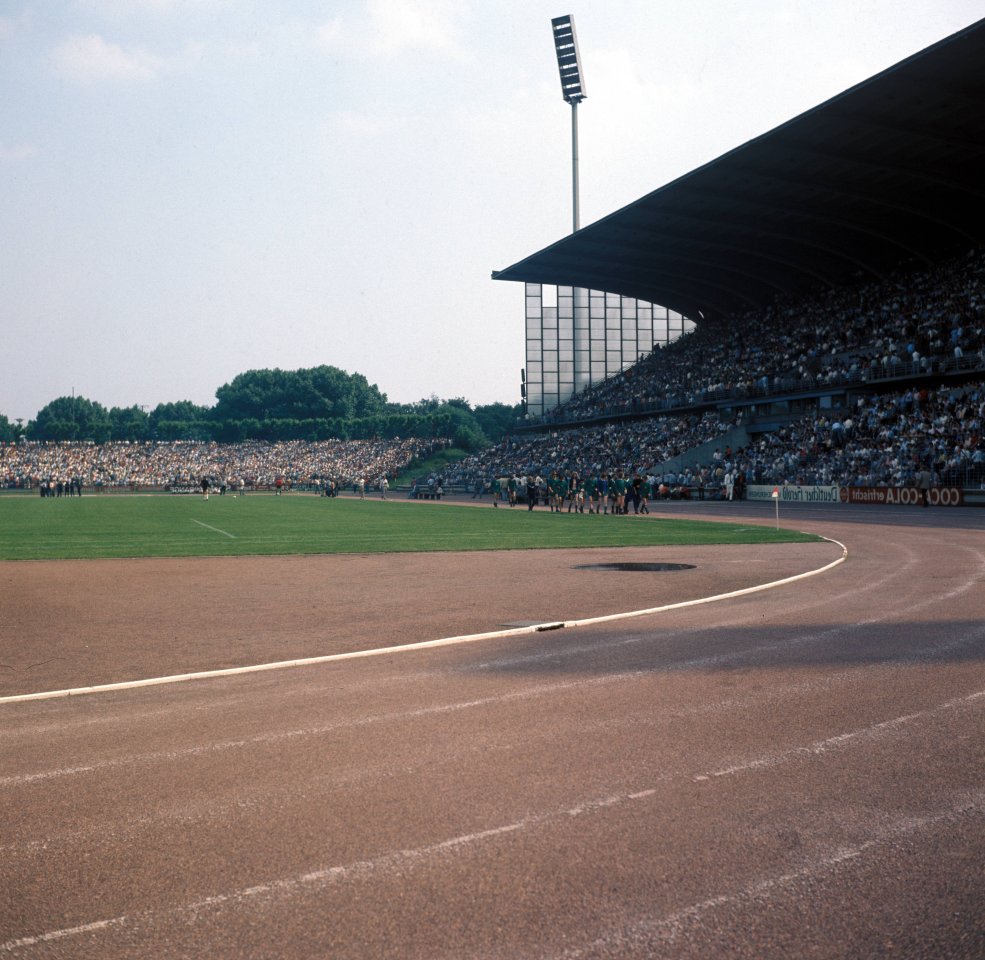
(975, 804)
(426, 644)
(541, 690)
(641, 937)
(786, 642)
(279, 737)
(215, 529)
(917, 656)
(820, 747)
(737, 656)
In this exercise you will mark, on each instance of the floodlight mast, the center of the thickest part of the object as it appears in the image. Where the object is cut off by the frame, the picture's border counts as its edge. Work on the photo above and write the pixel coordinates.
(572, 89)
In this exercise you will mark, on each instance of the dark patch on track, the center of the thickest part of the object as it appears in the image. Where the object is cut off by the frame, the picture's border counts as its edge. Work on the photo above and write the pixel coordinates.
(636, 567)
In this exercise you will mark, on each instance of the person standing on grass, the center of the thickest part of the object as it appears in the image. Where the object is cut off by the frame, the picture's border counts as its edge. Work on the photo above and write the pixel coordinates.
(592, 491)
(512, 485)
(205, 488)
(578, 494)
(619, 489)
(531, 492)
(563, 486)
(553, 492)
(572, 480)
(384, 486)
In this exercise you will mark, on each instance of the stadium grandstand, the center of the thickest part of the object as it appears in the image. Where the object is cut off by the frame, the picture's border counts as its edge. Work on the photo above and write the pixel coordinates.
(822, 329)
(830, 280)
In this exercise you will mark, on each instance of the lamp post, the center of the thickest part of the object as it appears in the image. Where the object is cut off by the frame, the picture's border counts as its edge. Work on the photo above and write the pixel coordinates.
(572, 89)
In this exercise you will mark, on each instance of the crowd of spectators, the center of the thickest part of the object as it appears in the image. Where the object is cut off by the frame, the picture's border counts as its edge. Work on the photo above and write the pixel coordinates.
(884, 441)
(176, 464)
(915, 324)
(634, 446)
(912, 323)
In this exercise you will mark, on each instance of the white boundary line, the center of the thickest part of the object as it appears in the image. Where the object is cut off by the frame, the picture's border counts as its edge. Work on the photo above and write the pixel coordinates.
(424, 644)
(216, 529)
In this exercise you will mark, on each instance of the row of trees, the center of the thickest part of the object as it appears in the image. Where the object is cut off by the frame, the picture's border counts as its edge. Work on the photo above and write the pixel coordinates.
(311, 404)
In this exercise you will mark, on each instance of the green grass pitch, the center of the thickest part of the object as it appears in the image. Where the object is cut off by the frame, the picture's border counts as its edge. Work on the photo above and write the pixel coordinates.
(188, 526)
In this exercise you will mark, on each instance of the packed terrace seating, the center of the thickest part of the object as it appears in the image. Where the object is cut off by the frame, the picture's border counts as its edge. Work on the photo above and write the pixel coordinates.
(925, 328)
(915, 323)
(184, 463)
(883, 441)
(631, 445)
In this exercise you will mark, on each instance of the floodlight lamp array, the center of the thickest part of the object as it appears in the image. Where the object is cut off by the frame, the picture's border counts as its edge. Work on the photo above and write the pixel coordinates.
(566, 48)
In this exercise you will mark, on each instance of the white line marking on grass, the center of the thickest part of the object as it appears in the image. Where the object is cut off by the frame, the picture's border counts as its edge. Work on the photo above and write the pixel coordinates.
(216, 529)
(422, 645)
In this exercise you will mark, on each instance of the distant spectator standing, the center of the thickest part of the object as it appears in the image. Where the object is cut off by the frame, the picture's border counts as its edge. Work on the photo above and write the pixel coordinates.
(924, 480)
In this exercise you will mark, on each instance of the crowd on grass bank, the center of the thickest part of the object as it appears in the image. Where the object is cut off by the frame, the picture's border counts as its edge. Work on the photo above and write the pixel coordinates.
(176, 464)
(913, 323)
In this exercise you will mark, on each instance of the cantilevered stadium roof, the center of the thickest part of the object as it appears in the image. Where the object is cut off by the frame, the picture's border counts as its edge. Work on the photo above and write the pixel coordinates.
(891, 171)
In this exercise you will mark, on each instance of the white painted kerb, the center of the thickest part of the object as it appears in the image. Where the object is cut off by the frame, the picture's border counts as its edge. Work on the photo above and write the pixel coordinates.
(424, 644)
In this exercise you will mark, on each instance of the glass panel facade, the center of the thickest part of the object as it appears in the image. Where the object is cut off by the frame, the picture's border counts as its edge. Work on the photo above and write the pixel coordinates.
(578, 337)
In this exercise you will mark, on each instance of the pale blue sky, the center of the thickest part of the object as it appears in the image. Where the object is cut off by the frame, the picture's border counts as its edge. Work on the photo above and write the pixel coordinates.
(194, 188)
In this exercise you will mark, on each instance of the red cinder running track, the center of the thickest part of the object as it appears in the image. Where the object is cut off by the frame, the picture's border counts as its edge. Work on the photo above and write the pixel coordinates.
(793, 773)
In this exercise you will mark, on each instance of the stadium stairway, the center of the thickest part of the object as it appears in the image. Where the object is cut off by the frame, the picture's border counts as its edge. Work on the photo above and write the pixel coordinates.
(734, 437)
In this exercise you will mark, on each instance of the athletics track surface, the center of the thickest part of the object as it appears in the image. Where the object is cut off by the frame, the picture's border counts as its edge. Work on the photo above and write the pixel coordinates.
(789, 773)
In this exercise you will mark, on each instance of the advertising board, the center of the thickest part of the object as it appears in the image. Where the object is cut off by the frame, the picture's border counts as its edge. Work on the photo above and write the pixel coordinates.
(875, 496)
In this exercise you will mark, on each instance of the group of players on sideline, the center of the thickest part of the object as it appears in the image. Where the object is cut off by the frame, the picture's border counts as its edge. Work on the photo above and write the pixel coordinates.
(922, 327)
(599, 492)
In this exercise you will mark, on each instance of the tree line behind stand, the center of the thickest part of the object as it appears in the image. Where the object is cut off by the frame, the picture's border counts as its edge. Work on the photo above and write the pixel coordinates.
(319, 403)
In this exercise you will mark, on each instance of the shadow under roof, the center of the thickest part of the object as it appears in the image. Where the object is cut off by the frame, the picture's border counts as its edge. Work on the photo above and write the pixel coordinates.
(890, 172)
